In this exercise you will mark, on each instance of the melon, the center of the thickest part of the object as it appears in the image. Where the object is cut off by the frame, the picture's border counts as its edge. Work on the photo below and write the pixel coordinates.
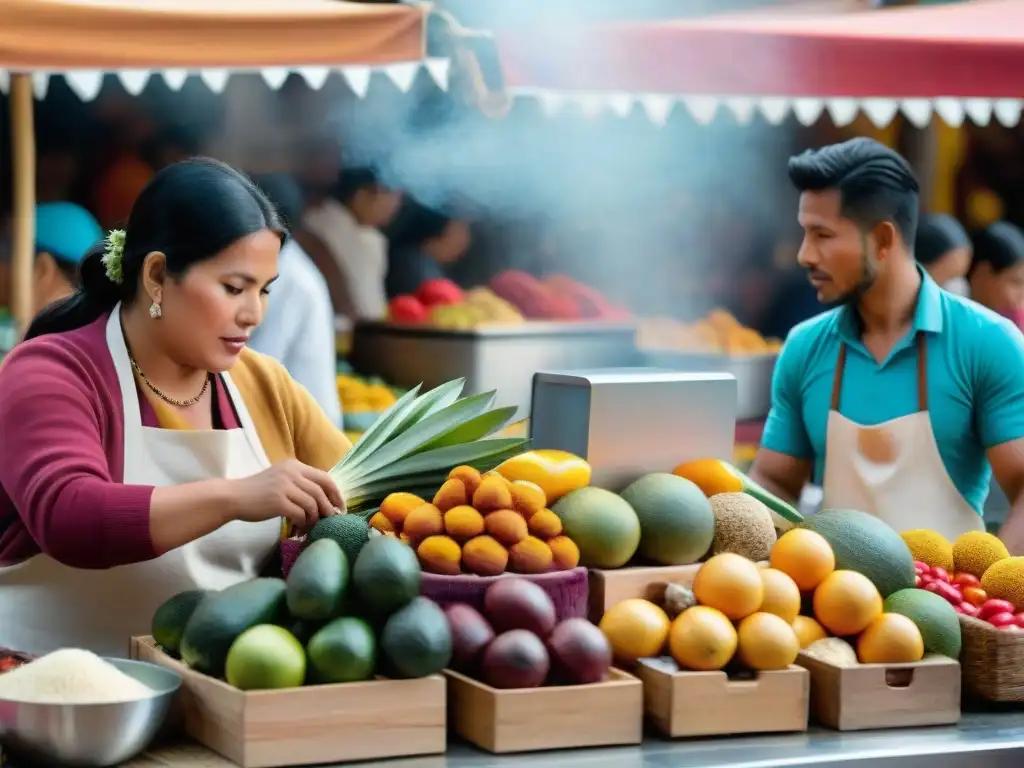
(938, 622)
(865, 544)
(677, 525)
(604, 526)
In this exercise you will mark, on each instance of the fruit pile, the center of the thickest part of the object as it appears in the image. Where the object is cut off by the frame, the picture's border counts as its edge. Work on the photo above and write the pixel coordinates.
(327, 623)
(442, 304)
(516, 642)
(718, 333)
(554, 298)
(363, 400)
(480, 524)
(975, 574)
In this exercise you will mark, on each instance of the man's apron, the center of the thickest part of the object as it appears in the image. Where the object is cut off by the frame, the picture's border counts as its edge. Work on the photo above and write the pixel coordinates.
(893, 470)
(45, 605)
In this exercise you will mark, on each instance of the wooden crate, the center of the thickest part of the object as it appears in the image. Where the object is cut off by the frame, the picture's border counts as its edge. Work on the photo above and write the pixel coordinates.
(869, 696)
(682, 703)
(305, 726)
(558, 717)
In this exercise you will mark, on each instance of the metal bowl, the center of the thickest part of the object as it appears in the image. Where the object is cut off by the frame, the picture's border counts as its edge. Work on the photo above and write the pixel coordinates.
(90, 735)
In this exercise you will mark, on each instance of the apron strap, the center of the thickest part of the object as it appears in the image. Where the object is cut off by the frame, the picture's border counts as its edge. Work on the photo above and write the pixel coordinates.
(922, 375)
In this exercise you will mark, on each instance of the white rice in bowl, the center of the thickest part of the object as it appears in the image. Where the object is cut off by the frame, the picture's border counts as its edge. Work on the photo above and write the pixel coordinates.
(71, 676)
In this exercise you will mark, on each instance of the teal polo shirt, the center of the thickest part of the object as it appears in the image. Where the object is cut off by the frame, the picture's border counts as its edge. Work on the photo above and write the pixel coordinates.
(975, 384)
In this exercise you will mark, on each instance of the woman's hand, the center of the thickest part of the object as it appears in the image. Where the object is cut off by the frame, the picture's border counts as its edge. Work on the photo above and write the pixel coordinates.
(289, 489)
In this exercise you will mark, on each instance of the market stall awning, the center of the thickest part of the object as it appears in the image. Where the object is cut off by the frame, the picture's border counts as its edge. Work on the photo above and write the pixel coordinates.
(959, 51)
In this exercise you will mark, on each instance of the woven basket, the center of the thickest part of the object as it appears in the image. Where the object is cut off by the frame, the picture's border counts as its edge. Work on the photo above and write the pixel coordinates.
(569, 590)
(992, 661)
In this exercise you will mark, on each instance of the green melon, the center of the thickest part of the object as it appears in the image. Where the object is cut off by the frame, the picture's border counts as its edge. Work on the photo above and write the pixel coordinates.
(677, 524)
(603, 525)
(938, 622)
(865, 544)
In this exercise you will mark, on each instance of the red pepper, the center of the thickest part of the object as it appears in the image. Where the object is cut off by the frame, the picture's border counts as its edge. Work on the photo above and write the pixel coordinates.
(967, 580)
(940, 574)
(967, 609)
(993, 607)
(1002, 619)
(920, 567)
(950, 593)
(976, 596)
(926, 578)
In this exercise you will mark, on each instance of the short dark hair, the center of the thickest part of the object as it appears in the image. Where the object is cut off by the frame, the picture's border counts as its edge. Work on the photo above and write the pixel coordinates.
(190, 211)
(1001, 245)
(351, 180)
(875, 183)
(937, 235)
(286, 195)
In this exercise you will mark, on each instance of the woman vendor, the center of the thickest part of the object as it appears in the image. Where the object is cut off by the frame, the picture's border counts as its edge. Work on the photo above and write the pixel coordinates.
(943, 248)
(146, 450)
(997, 270)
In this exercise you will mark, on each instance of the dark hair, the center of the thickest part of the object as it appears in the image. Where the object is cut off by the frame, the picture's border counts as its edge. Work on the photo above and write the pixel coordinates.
(69, 269)
(414, 224)
(351, 180)
(1001, 245)
(286, 195)
(189, 211)
(937, 235)
(875, 183)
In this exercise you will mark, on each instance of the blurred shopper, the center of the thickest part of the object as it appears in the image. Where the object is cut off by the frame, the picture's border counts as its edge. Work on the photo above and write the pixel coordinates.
(424, 243)
(996, 276)
(298, 323)
(943, 248)
(64, 233)
(904, 399)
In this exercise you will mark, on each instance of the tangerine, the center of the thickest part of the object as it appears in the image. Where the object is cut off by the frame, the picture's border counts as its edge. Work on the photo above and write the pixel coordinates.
(767, 642)
(702, 638)
(805, 556)
(781, 595)
(636, 629)
(890, 639)
(846, 602)
(808, 630)
(731, 583)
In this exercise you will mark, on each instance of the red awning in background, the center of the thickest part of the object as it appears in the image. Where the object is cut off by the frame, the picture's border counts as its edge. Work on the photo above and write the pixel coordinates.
(972, 49)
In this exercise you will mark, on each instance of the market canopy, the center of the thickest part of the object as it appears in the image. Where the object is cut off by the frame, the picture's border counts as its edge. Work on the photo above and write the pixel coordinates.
(84, 38)
(958, 57)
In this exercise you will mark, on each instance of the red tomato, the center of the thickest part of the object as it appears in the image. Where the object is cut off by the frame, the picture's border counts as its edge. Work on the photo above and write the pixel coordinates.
(920, 567)
(1002, 619)
(926, 578)
(949, 592)
(967, 609)
(1020, 620)
(975, 596)
(993, 607)
(941, 574)
(967, 580)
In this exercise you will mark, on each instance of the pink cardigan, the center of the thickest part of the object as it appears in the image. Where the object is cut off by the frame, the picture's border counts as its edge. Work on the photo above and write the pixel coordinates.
(62, 454)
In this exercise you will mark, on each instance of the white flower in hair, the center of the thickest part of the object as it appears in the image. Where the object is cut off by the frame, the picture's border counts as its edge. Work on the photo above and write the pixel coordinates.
(113, 254)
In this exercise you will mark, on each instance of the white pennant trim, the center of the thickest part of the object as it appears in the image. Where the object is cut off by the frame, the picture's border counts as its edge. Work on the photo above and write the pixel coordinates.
(315, 77)
(808, 110)
(358, 79)
(979, 111)
(842, 111)
(40, 84)
(5, 81)
(275, 77)
(951, 111)
(742, 108)
(1007, 111)
(880, 111)
(403, 75)
(216, 79)
(657, 107)
(551, 103)
(175, 78)
(439, 69)
(84, 82)
(621, 103)
(590, 104)
(917, 111)
(134, 80)
(703, 109)
(774, 109)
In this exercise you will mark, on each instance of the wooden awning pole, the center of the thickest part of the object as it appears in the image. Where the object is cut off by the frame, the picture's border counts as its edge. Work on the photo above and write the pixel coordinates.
(23, 147)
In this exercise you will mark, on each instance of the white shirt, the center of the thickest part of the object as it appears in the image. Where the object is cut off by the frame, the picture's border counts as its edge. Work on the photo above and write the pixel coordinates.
(298, 328)
(360, 252)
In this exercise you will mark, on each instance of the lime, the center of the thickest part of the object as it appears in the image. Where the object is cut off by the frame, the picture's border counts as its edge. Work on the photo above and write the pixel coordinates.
(343, 651)
(266, 657)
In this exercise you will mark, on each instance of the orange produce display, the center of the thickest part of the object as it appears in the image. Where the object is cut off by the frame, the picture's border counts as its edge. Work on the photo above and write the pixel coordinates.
(719, 332)
(556, 473)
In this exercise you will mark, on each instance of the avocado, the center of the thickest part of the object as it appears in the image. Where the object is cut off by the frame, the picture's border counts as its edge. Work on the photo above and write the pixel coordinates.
(222, 616)
(302, 630)
(417, 640)
(350, 532)
(170, 619)
(386, 575)
(343, 651)
(317, 582)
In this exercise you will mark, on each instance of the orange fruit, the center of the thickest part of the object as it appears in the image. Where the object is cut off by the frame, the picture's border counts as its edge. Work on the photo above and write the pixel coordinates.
(846, 602)
(890, 639)
(730, 583)
(636, 629)
(702, 638)
(804, 556)
(781, 595)
(766, 642)
(808, 630)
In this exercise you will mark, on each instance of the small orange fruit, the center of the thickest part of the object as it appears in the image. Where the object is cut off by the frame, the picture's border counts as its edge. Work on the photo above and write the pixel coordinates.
(808, 630)
(730, 583)
(781, 595)
(890, 639)
(636, 629)
(767, 642)
(804, 556)
(846, 602)
(702, 638)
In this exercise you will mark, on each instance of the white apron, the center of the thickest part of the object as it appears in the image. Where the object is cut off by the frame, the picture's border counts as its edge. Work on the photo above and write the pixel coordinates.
(45, 605)
(893, 470)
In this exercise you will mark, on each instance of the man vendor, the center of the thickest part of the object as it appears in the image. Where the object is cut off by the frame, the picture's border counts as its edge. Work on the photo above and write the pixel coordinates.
(903, 399)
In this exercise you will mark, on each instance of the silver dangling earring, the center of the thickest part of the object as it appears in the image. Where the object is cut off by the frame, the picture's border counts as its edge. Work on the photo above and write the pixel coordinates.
(155, 311)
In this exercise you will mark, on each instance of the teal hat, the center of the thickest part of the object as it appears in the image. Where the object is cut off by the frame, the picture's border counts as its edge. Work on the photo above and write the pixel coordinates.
(65, 231)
